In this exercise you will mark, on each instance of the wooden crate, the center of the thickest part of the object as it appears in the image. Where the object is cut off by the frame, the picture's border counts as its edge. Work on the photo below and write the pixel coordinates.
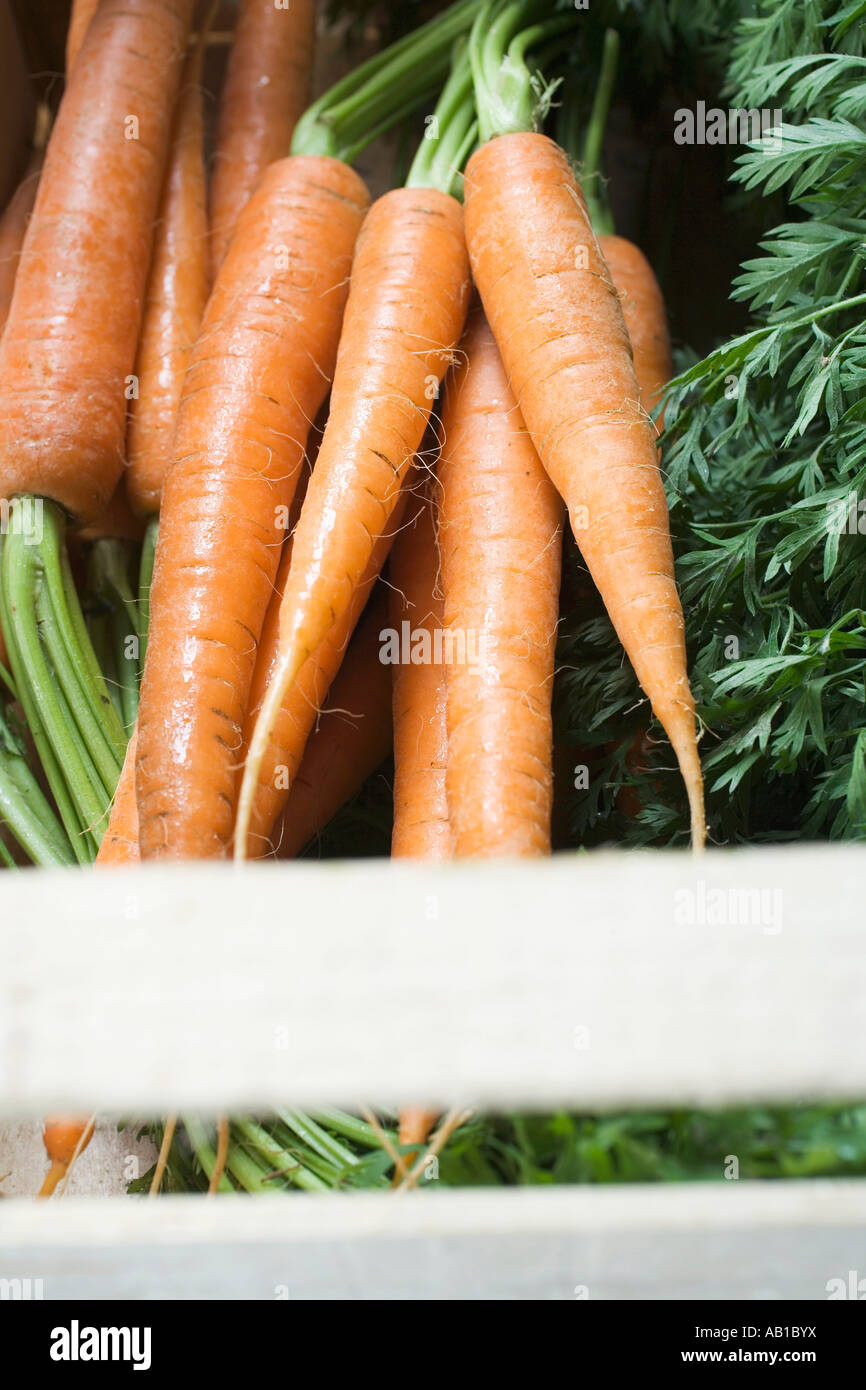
(592, 981)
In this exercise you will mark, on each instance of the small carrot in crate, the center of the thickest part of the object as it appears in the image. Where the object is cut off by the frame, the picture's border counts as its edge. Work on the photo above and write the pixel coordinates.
(299, 710)
(64, 1138)
(120, 841)
(177, 291)
(62, 394)
(500, 532)
(256, 378)
(267, 87)
(407, 303)
(421, 828)
(558, 323)
(352, 737)
(643, 309)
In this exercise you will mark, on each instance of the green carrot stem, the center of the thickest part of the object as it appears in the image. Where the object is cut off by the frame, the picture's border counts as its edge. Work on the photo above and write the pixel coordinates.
(591, 179)
(305, 1127)
(451, 132)
(279, 1159)
(373, 97)
(251, 1176)
(203, 1150)
(351, 1127)
(90, 705)
(109, 578)
(6, 678)
(24, 809)
(8, 861)
(38, 699)
(509, 94)
(145, 579)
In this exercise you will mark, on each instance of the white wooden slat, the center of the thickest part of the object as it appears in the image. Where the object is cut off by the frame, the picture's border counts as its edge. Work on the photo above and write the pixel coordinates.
(589, 980)
(723, 1240)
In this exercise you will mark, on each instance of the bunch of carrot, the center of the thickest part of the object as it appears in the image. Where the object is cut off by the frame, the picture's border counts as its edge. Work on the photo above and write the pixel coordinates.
(480, 371)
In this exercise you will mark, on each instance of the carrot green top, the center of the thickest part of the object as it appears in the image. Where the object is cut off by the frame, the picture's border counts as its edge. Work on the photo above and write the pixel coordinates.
(451, 133)
(510, 94)
(380, 92)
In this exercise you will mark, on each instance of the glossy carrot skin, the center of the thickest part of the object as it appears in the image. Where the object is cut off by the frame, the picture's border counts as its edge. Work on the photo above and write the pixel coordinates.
(352, 737)
(70, 339)
(407, 305)
(643, 309)
(500, 538)
(419, 693)
(120, 841)
(556, 317)
(267, 88)
(177, 291)
(305, 698)
(257, 376)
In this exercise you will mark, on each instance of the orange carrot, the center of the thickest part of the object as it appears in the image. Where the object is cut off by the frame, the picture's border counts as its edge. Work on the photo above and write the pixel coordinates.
(643, 309)
(267, 87)
(256, 377)
(118, 519)
(300, 707)
(64, 1137)
(500, 534)
(79, 22)
(420, 739)
(13, 226)
(69, 342)
(177, 290)
(558, 324)
(351, 738)
(408, 299)
(120, 841)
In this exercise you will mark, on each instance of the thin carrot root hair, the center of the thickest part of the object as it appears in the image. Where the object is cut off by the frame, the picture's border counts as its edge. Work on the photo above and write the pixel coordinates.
(162, 1156)
(222, 1153)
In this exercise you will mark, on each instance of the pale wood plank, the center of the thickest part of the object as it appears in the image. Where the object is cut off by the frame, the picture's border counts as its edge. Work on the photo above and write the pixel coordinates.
(570, 982)
(724, 1240)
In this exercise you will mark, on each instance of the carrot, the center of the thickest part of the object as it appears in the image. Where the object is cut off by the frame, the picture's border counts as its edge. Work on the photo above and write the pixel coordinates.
(267, 86)
(65, 1138)
(118, 519)
(13, 225)
(300, 707)
(120, 841)
(256, 377)
(421, 828)
(79, 22)
(177, 291)
(351, 738)
(557, 321)
(420, 742)
(410, 283)
(643, 309)
(84, 260)
(500, 525)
